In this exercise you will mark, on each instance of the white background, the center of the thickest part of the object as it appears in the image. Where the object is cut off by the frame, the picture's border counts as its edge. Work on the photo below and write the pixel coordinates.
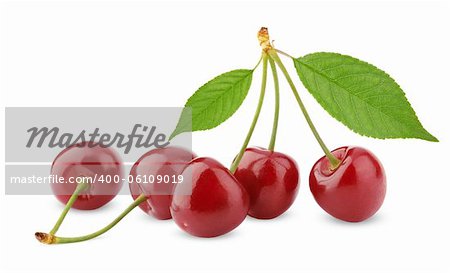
(156, 54)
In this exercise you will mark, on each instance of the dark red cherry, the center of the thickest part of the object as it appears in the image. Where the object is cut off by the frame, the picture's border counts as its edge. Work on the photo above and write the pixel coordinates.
(271, 180)
(355, 190)
(92, 161)
(213, 203)
(155, 174)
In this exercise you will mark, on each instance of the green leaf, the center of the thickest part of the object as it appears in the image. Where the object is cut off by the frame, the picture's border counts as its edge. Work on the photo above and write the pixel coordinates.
(361, 96)
(214, 102)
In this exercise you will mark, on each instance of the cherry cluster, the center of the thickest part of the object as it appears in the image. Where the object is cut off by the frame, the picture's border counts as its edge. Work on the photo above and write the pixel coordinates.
(349, 182)
(264, 186)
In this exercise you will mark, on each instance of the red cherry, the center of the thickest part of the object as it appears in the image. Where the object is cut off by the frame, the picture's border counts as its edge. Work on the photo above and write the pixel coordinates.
(271, 180)
(87, 159)
(355, 190)
(218, 203)
(166, 162)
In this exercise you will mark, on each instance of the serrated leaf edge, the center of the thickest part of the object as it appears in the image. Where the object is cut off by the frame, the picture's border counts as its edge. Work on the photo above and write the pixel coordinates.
(250, 74)
(321, 102)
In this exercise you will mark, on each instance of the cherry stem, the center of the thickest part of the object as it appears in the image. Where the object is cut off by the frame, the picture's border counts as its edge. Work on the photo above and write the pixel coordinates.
(334, 162)
(83, 185)
(277, 105)
(52, 239)
(255, 117)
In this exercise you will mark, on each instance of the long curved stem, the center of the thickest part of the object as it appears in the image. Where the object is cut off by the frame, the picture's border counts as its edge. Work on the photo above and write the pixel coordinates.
(333, 160)
(80, 187)
(277, 105)
(52, 239)
(255, 117)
